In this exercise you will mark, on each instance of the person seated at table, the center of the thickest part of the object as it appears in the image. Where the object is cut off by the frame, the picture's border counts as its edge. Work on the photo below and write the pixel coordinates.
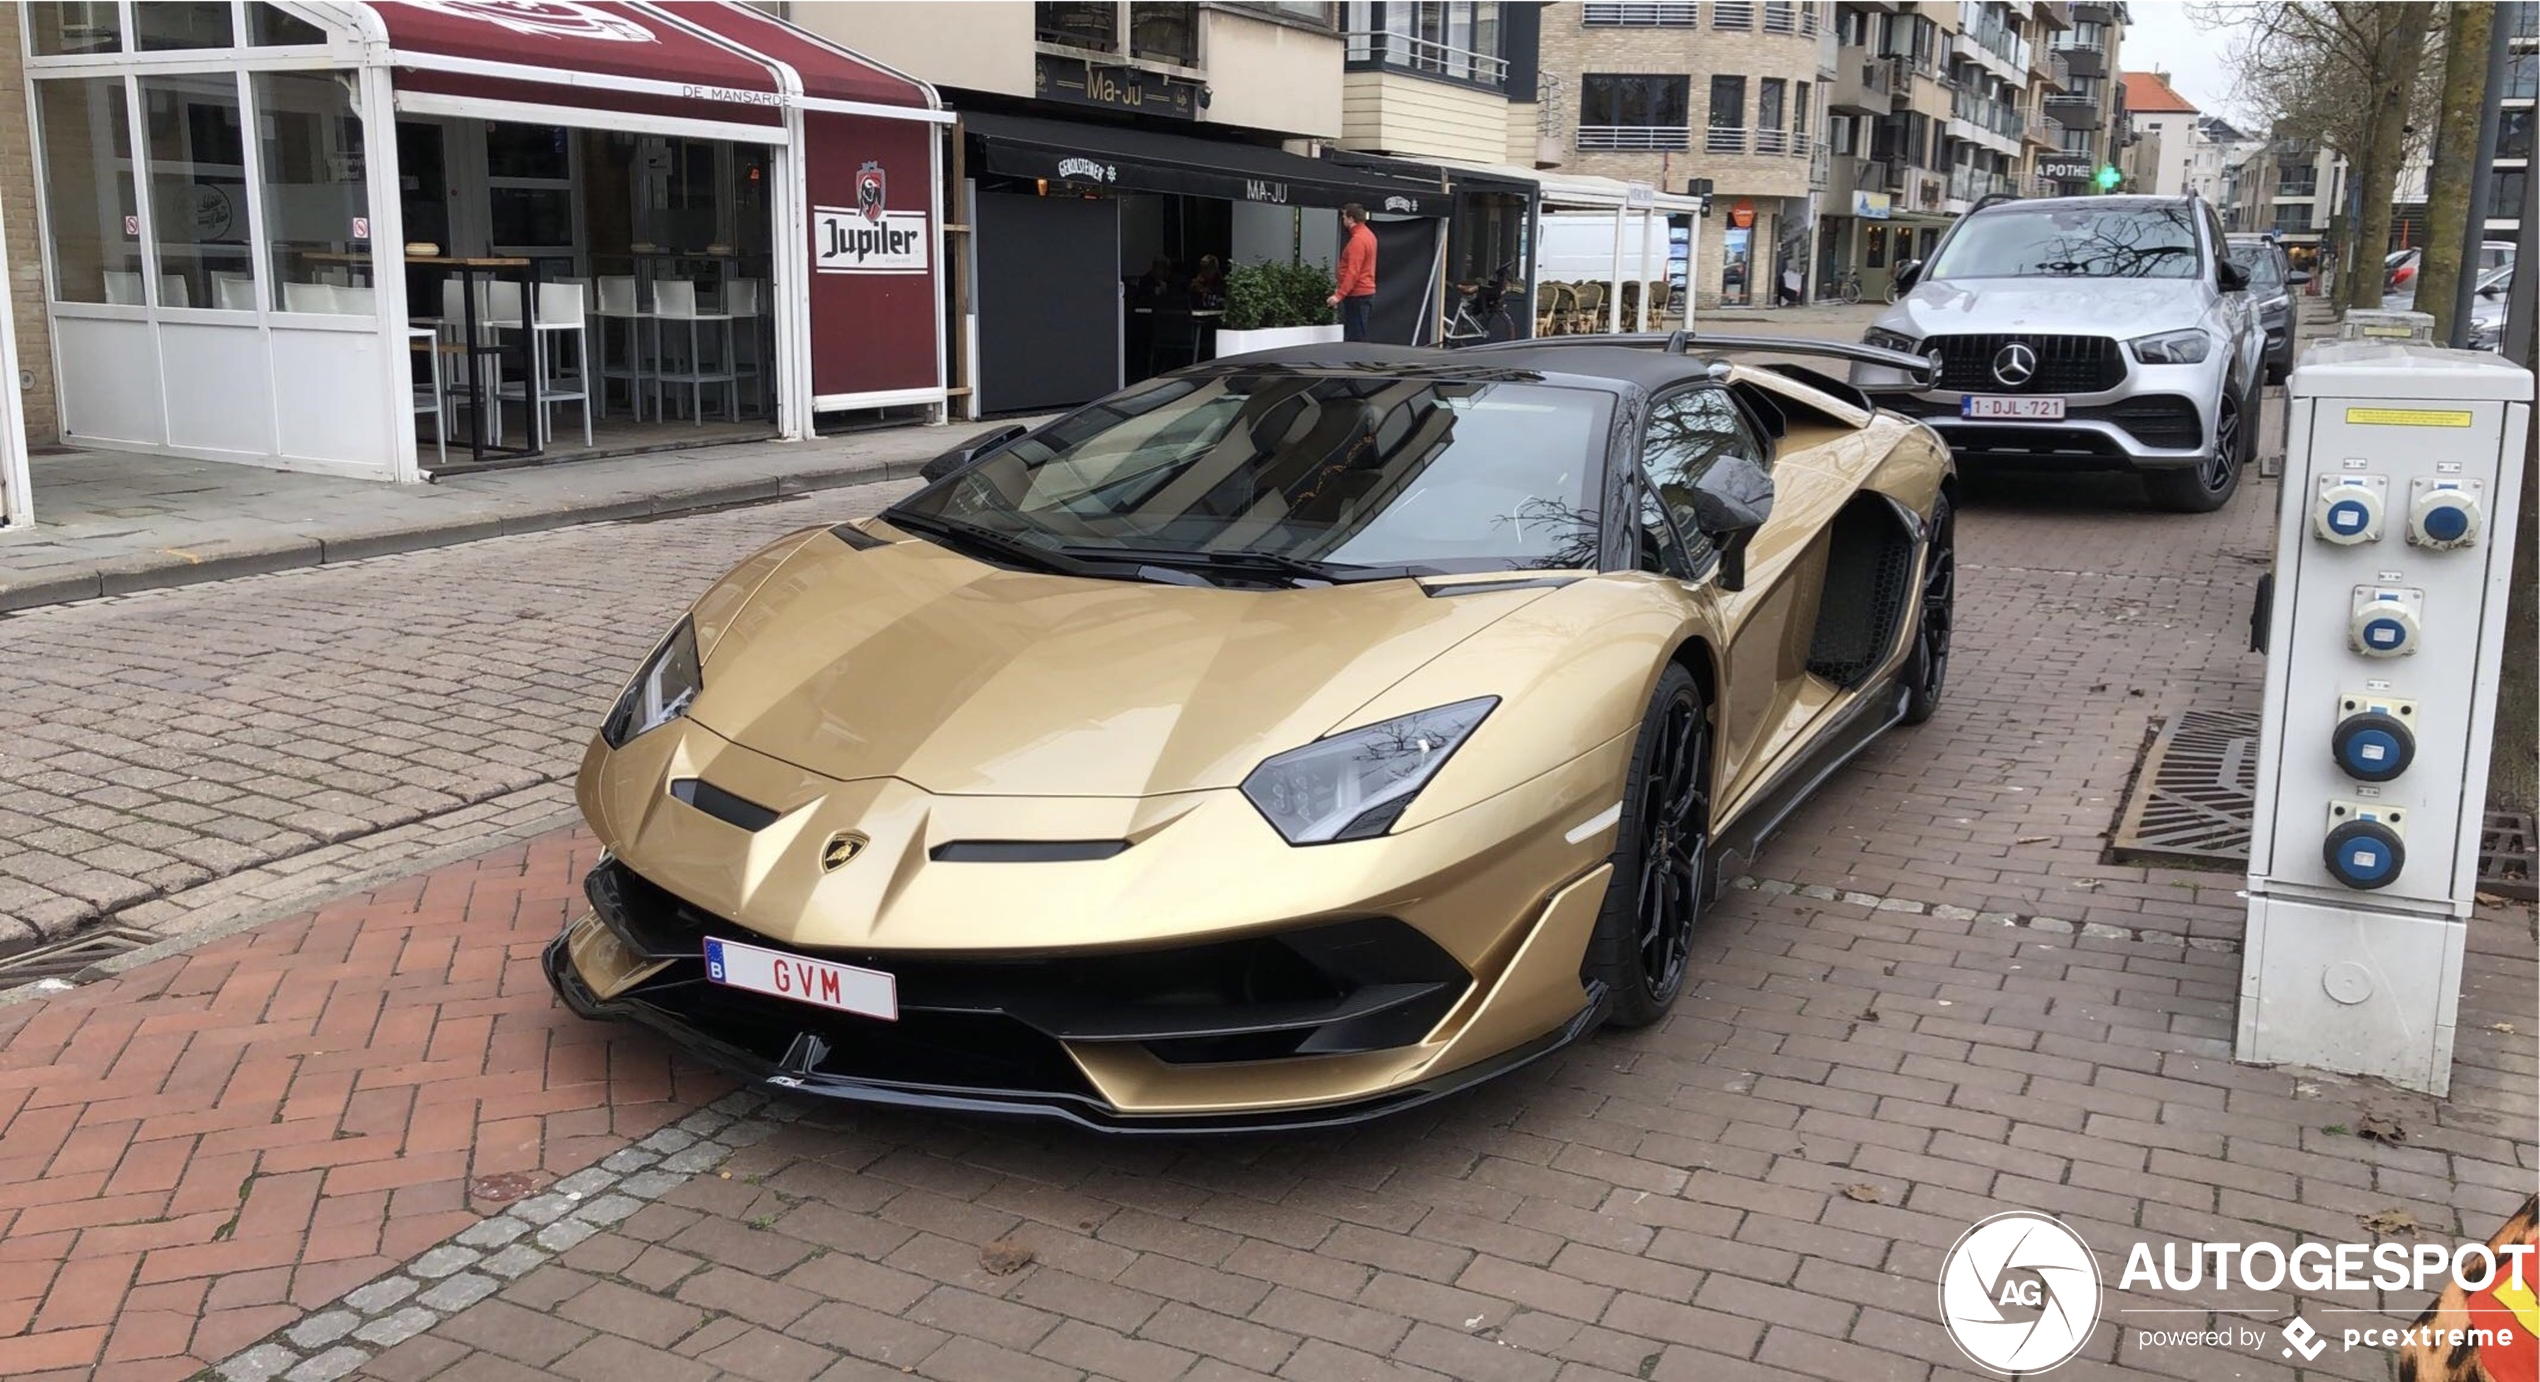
(1208, 285)
(1160, 280)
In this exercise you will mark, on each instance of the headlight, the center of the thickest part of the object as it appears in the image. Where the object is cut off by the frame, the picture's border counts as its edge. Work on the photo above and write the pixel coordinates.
(661, 691)
(1357, 783)
(2171, 348)
(1890, 340)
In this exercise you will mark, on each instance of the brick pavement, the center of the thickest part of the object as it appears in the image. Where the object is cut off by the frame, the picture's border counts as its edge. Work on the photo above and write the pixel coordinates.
(154, 743)
(194, 1154)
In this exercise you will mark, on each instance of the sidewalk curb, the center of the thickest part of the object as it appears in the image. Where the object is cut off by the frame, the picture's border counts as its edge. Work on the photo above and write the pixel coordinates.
(293, 905)
(167, 570)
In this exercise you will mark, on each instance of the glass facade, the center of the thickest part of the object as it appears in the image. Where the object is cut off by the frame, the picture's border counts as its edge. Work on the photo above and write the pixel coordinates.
(86, 158)
(193, 140)
(316, 192)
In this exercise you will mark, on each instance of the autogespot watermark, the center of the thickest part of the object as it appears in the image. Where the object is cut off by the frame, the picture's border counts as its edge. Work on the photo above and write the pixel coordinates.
(2020, 1293)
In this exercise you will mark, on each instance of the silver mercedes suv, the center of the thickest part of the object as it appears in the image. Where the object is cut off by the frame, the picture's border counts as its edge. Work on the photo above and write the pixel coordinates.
(2099, 333)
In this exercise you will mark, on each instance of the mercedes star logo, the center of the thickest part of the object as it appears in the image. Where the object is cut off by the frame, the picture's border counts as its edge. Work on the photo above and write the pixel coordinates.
(842, 847)
(2015, 364)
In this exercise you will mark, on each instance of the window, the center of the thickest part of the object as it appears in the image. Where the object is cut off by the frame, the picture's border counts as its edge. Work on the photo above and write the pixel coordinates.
(316, 192)
(2047, 240)
(529, 182)
(165, 26)
(1165, 33)
(2508, 194)
(86, 152)
(2513, 133)
(1842, 134)
(197, 161)
(1660, 548)
(270, 27)
(1769, 96)
(2293, 217)
(1874, 255)
(1728, 102)
(1618, 111)
(2519, 76)
(54, 28)
(1799, 110)
(1459, 41)
(1690, 432)
(1093, 24)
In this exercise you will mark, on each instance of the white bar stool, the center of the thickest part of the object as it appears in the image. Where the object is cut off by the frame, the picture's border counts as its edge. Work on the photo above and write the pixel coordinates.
(674, 302)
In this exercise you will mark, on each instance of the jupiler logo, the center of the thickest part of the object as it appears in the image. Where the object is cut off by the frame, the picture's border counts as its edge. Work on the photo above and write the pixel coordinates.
(1085, 169)
(2019, 1293)
(545, 18)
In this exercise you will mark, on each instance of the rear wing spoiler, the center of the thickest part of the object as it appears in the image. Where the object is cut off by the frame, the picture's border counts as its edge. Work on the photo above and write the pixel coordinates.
(1921, 370)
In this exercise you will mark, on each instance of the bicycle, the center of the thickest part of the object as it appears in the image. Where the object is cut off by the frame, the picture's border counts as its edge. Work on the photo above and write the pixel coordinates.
(1845, 289)
(1481, 311)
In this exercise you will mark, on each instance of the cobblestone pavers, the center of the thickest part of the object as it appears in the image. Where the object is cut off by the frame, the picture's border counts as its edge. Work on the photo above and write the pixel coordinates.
(155, 743)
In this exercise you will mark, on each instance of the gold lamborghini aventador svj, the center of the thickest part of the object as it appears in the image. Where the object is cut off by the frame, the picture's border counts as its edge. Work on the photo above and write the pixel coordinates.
(1283, 741)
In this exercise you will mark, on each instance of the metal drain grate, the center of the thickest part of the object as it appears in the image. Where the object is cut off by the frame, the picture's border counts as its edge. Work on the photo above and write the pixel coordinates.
(66, 957)
(2507, 865)
(2195, 792)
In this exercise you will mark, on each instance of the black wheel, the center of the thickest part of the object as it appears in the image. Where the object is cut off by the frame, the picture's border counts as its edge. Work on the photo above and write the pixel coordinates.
(1662, 858)
(1851, 294)
(2210, 483)
(1927, 670)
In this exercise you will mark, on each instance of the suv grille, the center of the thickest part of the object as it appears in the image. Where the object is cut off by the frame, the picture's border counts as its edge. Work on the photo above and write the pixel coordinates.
(2065, 364)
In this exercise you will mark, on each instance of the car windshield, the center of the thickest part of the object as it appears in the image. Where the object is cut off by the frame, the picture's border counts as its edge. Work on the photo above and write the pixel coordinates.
(2266, 273)
(2071, 242)
(1353, 474)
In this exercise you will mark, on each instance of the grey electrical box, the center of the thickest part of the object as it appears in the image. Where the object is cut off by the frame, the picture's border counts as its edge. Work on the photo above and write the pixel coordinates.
(2393, 546)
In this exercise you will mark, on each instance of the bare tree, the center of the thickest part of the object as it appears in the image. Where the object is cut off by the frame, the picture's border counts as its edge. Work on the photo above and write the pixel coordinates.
(2348, 76)
(2452, 232)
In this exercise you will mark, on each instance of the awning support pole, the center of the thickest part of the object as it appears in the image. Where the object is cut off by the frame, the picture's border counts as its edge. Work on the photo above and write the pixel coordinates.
(388, 271)
(1614, 288)
(1648, 248)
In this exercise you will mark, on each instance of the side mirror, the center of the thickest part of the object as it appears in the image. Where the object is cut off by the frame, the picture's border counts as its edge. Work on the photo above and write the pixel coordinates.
(2230, 277)
(2298, 277)
(2492, 290)
(1908, 274)
(1732, 498)
(994, 439)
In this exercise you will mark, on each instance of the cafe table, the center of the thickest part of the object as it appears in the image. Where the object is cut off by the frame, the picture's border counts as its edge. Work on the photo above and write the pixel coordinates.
(471, 271)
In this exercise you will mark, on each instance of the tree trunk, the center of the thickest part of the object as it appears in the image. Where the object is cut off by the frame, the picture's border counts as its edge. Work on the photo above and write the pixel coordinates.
(2400, 54)
(2513, 772)
(2452, 234)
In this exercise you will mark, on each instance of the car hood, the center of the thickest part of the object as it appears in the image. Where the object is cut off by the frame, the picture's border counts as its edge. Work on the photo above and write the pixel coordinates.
(2127, 307)
(914, 662)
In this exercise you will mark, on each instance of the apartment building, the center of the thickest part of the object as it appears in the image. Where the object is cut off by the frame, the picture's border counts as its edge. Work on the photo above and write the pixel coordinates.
(2509, 190)
(1933, 108)
(1671, 91)
(2088, 110)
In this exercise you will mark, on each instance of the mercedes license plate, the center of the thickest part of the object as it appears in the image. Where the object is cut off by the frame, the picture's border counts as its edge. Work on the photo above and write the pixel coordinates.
(2016, 409)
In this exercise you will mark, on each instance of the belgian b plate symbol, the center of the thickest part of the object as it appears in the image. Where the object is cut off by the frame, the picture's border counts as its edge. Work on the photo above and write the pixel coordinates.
(871, 187)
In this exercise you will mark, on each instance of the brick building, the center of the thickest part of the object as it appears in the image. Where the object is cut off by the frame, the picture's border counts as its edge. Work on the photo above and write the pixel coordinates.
(1732, 91)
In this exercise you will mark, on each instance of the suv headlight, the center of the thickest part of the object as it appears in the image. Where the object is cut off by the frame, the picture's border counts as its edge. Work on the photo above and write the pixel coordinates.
(1891, 340)
(662, 689)
(2171, 348)
(1356, 784)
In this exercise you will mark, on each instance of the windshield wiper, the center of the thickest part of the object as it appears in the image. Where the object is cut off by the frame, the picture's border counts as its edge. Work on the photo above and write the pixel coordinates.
(1295, 568)
(1008, 549)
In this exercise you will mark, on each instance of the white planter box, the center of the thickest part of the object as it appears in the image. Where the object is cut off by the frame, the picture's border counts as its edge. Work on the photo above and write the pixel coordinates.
(1274, 338)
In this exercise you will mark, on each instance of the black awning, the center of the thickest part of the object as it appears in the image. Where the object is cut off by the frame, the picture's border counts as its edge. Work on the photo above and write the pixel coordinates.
(1114, 158)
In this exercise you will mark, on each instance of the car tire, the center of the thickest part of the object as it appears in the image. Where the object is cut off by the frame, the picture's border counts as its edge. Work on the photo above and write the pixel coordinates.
(2210, 483)
(1643, 944)
(1926, 672)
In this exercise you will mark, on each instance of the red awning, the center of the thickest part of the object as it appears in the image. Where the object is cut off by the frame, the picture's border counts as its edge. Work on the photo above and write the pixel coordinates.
(582, 54)
(828, 72)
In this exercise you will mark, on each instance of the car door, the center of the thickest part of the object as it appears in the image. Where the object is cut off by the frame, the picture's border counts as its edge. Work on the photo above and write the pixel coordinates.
(1764, 627)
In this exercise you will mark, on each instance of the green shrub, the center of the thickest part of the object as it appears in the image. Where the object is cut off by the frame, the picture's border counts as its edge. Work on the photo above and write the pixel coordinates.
(1267, 294)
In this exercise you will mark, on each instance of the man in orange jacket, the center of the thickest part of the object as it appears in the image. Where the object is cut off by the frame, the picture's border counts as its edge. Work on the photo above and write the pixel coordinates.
(1356, 281)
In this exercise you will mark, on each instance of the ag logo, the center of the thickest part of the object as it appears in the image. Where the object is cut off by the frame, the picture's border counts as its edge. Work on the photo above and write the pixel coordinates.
(869, 191)
(2015, 364)
(842, 849)
(2019, 1293)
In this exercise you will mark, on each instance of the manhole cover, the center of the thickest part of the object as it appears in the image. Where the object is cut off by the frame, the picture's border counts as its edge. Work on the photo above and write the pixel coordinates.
(66, 957)
(2506, 866)
(2195, 792)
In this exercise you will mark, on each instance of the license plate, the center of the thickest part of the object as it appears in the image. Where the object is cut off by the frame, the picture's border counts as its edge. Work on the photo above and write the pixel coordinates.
(2023, 409)
(821, 983)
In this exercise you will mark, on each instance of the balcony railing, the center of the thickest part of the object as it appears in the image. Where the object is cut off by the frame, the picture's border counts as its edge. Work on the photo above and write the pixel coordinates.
(1724, 139)
(1808, 17)
(2308, 188)
(1732, 14)
(1776, 141)
(1675, 14)
(1780, 17)
(1634, 139)
(1967, 184)
(1427, 55)
(2001, 119)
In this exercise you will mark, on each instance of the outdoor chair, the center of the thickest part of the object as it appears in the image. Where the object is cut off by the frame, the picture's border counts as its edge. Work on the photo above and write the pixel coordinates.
(614, 301)
(1589, 313)
(742, 303)
(675, 303)
(559, 314)
(429, 400)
